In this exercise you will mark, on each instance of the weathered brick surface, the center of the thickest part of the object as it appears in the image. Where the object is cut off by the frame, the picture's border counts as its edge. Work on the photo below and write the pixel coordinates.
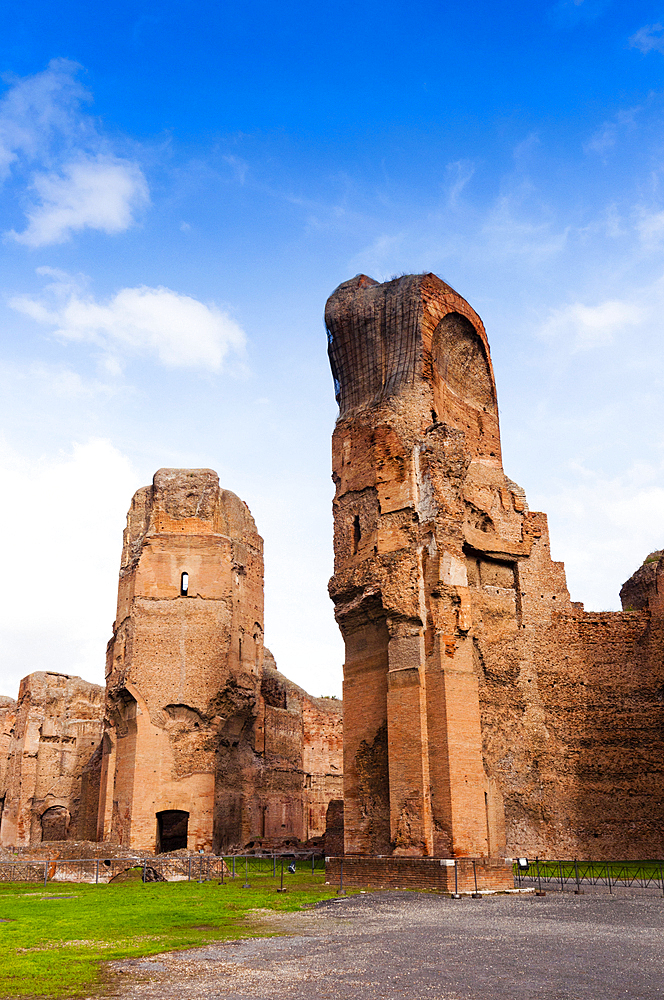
(489, 874)
(334, 828)
(198, 719)
(51, 735)
(7, 723)
(485, 713)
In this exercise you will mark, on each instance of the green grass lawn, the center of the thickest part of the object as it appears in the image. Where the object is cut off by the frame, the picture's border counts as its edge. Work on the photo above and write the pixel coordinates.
(53, 938)
(619, 871)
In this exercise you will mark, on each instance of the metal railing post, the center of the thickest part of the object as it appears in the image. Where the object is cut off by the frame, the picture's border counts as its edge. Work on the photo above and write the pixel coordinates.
(539, 891)
(562, 884)
(476, 894)
(578, 890)
(97, 873)
(45, 872)
(456, 894)
(341, 891)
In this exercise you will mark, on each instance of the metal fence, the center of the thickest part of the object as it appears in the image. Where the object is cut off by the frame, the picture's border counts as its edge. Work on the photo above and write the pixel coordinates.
(192, 868)
(566, 876)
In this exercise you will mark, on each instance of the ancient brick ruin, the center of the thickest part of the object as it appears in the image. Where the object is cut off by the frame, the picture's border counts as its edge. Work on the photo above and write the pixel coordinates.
(47, 740)
(484, 712)
(200, 742)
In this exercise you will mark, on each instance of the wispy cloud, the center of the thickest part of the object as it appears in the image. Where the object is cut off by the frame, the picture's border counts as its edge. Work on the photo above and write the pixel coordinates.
(181, 331)
(41, 112)
(93, 193)
(649, 38)
(585, 327)
(58, 159)
(650, 226)
(605, 137)
(458, 174)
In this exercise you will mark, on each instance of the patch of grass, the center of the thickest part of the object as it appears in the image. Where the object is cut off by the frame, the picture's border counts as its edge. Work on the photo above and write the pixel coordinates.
(53, 939)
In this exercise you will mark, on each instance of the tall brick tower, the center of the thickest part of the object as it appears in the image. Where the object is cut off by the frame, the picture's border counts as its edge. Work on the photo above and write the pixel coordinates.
(184, 666)
(429, 532)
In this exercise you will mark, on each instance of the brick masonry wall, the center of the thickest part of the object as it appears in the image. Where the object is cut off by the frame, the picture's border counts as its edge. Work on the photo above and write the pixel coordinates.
(485, 712)
(421, 873)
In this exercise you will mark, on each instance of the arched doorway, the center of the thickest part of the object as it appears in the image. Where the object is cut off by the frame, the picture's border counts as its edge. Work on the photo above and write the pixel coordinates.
(172, 829)
(55, 823)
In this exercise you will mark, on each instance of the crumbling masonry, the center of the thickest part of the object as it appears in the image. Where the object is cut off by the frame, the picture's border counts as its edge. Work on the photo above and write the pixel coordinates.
(205, 745)
(484, 713)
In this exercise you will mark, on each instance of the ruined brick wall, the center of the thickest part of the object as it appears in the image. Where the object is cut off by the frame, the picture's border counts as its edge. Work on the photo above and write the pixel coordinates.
(334, 828)
(199, 743)
(196, 724)
(184, 663)
(55, 730)
(301, 768)
(573, 737)
(7, 722)
(436, 874)
(484, 712)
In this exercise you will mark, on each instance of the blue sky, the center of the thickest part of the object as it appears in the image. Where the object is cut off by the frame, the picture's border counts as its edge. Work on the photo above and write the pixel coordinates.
(183, 187)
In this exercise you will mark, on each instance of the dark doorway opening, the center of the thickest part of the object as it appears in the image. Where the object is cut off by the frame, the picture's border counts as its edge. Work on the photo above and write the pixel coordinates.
(55, 823)
(172, 828)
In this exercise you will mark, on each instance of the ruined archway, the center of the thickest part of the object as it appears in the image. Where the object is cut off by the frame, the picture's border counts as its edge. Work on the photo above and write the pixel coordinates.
(461, 360)
(55, 823)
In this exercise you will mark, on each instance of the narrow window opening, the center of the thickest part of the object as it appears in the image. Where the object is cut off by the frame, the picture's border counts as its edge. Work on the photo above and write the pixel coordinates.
(357, 534)
(239, 649)
(184, 584)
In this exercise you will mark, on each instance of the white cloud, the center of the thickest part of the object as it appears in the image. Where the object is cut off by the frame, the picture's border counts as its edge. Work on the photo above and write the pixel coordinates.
(648, 39)
(61, 559)
(458, 174)
(650, 226)
(240, 167)
(48, 146)
(41, 110)
(585, 327)
(180, 330)
(93, 193)
(605, 137)
(602, 140)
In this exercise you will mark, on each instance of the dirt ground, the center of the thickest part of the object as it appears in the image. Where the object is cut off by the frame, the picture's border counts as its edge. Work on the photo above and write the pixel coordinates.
(424, 947)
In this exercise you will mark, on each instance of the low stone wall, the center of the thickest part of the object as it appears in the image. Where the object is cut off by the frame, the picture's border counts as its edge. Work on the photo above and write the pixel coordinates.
(493, 874)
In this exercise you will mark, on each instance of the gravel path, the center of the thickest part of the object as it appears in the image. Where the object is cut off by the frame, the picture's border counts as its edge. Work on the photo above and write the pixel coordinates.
(397, 945)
